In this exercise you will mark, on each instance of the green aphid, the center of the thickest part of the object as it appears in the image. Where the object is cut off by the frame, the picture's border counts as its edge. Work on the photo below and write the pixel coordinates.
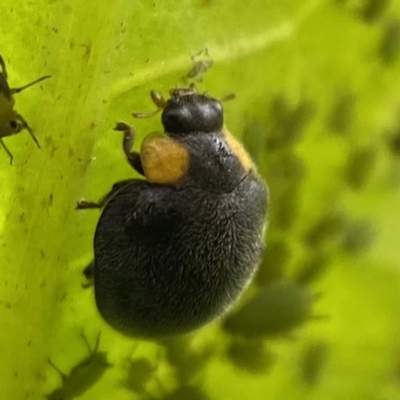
(276, 256)
(251, 356)
(139, 373)
(285, 176)
(312, 268)
(276, 310)
(342, 113)
(395, 144)
(254, 137)
(286, 170)
(360, 165)
(288, 122)
(312, 362)
(187, 361)
(373, 10)
(393, 140)
(11, 122)
(286, 207)
(358, 237)
(389, 49)
(329, 227)
(83, 376)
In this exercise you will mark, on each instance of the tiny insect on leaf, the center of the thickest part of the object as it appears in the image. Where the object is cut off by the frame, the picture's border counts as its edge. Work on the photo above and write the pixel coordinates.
(11, 122)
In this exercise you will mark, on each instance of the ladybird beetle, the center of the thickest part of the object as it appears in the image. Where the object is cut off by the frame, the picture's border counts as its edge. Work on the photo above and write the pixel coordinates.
(173, 251)
(11, 122)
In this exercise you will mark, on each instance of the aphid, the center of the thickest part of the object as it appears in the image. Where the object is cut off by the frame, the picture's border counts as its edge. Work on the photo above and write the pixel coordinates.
(360, 165)
(389, 49)
(276, 310)
(199, 67)
(254, 137)
(358, 237)
(342, 113)
(83, 376)
(393, 142)
(313, 360)
(174, 251)
(373, 10)
(276, 256)
(285, 174)
(288, 122)
(251, 356)
(139, 372)
(329, 227)
(188, 361)
(11, 122)
(312, 268)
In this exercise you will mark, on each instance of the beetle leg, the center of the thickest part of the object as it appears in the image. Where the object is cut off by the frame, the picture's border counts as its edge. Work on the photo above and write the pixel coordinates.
(7, 151)
(26, 126)
(87, 204)
(128, 141)
(88, 272)
(136, 162)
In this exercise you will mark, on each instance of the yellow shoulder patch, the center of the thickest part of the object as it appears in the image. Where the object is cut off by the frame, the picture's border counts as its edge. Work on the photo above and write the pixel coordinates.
(164, 160)
(238, 149)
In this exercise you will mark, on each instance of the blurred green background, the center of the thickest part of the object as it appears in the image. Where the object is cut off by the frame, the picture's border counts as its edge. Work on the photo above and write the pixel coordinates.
(318, 95)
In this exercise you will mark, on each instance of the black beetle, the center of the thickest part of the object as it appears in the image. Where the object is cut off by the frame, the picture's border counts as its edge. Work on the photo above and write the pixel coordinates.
(174, 251)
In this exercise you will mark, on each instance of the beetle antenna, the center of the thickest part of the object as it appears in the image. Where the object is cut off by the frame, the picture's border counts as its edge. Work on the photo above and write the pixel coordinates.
(20, 89)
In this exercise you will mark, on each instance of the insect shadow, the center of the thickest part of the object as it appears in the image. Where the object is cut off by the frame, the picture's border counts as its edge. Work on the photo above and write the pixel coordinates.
(83, 376)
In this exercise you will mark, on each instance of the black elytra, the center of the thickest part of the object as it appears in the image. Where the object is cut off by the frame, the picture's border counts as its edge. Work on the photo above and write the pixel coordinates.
(170, 258)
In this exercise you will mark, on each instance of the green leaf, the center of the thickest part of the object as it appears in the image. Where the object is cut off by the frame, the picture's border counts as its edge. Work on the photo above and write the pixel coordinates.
(316, 81)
